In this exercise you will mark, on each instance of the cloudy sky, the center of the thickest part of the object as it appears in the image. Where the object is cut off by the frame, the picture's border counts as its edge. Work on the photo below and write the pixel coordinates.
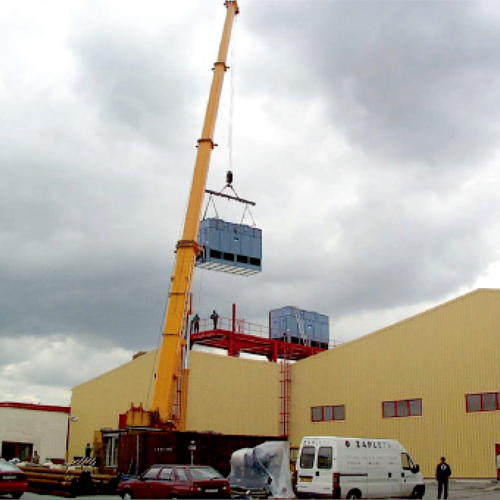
(366, 131)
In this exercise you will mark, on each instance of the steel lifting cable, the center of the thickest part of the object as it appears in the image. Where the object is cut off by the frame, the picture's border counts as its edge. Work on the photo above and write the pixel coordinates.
(231, 99)
(247, 209)
(230, 142)
(197, 298)
(230, 150)
(210, 199)
(231, 120)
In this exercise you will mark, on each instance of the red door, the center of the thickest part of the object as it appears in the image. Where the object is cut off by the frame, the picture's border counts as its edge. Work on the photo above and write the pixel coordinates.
(145, 486)
(183, 484)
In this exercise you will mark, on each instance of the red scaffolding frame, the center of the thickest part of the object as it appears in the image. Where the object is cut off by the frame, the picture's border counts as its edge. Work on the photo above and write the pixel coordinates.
(238, 336)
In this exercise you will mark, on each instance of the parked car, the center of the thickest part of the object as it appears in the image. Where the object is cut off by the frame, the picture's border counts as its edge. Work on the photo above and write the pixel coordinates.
(176, 481)
(12, 480)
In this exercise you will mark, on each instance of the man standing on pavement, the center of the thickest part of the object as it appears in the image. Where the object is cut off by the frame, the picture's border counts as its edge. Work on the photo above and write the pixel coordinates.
(443, 473)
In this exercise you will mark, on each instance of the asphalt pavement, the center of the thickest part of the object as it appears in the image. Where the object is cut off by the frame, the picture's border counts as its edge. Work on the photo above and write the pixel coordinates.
(481, 490)
(462, 488)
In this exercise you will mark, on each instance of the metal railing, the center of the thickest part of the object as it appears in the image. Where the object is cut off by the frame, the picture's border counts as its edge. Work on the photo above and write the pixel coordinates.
(244, 327)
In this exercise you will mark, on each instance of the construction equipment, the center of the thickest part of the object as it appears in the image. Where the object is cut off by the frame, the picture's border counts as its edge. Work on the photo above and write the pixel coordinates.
(69, 481)
(170, 370)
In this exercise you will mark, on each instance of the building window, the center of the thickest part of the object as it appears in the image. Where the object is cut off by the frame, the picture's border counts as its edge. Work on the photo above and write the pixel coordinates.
(402, 408)
(317, 414)
(111, 443)
(327, 413)
(415, 407)
(22, 451)
(488, 401)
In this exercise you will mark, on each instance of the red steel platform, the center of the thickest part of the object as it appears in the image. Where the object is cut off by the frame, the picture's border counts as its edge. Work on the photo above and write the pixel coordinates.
(237, 336)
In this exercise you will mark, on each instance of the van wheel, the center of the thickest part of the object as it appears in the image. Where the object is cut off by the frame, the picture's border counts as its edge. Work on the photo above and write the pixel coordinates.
(418, 492)
(127, 495)
(354, 494)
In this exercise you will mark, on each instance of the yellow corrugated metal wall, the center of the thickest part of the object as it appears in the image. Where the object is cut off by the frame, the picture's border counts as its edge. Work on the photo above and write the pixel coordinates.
(233, 395)
(99, 402)
(227, 395)
(438, 356)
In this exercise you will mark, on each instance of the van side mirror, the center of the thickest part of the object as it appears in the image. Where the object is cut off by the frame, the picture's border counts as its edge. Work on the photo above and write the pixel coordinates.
(416, 468)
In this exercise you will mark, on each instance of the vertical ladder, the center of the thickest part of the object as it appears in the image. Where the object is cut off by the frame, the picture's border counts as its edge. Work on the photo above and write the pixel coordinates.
(285, 394)
(179, 409)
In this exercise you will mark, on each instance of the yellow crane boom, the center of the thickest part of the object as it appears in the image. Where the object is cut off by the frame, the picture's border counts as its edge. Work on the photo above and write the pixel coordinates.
(169, 364)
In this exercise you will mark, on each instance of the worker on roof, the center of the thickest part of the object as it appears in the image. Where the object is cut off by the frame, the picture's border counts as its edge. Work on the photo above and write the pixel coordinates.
(215, 318)
(195, 324)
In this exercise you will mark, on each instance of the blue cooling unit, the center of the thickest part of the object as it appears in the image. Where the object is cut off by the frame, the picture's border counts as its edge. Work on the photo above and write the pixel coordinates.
(232, 248)
(300, 327)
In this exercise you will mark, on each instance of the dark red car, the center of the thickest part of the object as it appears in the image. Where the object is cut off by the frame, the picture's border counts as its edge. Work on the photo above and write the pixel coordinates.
(177, 481)
(12, 480)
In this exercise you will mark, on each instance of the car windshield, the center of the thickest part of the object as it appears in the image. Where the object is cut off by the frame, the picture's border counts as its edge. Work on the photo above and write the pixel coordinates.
(8, 467)
(204, 473)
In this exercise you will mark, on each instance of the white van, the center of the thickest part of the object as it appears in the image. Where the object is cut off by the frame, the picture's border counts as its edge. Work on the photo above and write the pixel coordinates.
(343, 467)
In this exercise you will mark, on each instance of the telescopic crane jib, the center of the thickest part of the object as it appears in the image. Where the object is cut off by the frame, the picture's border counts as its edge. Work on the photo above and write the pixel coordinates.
(173, 343)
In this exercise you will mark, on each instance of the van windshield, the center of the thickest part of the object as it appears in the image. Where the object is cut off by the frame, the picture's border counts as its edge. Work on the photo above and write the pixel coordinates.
(307, 457)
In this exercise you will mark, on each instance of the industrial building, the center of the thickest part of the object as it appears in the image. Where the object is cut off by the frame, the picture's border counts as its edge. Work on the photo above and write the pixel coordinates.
(26, 428)
(431, 381)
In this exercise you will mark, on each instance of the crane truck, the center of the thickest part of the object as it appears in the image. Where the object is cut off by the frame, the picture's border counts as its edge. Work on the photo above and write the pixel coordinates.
(172, 372)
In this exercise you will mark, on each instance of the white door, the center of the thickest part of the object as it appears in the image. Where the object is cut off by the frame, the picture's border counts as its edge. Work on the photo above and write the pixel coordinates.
(324, 474)
(306, 471)
(407, 476)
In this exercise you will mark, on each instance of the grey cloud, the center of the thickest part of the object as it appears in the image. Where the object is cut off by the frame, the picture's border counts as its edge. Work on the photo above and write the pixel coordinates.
(54, 362)
(96, 172)
(392, 247)
(408, 81)
(119, 300)
(138, 84)
(84, 250)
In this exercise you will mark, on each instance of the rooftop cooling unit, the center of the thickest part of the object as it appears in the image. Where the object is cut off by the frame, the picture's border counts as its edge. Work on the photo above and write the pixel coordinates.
(229, 247)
